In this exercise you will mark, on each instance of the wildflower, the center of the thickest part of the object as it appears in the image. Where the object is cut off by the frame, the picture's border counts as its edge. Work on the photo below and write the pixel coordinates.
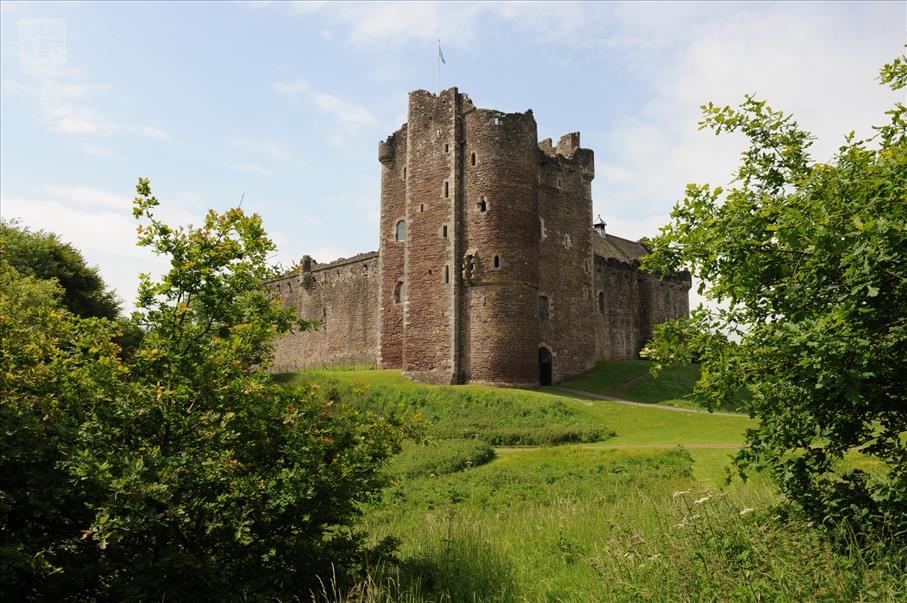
(701, 500)
(746, 511)
(680, 493)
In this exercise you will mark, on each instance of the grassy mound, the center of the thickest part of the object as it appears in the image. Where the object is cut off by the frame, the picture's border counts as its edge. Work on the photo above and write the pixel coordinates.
(496, 416)
(440, 458)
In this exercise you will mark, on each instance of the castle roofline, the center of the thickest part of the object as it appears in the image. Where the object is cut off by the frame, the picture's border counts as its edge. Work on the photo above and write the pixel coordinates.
(610, 246)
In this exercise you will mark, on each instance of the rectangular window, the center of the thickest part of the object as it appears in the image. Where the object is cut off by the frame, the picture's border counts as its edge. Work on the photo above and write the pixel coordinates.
(544, 311)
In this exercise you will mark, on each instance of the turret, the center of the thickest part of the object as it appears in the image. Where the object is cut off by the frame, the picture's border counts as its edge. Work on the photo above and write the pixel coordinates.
(599, 226)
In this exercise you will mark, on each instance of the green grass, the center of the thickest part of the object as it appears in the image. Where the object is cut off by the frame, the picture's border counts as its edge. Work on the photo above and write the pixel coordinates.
(498, 416)
(440, 457)
(596, 518)
(631, 380)
(580, 524)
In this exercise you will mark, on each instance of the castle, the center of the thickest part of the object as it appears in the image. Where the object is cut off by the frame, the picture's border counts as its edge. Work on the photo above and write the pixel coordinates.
(489, 268)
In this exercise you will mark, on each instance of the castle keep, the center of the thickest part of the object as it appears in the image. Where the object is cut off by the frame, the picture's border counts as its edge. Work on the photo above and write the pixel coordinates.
(489, 268)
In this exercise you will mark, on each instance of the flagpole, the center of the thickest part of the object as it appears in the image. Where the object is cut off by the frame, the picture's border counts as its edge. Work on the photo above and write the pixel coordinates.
(439, 66)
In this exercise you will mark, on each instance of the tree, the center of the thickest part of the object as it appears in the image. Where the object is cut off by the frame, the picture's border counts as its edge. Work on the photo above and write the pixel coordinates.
(808, 264)
(186, 472)
(44, 256)
(53, 365)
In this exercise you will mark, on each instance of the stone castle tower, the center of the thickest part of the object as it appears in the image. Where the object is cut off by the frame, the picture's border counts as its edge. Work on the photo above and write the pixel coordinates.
(489, 270)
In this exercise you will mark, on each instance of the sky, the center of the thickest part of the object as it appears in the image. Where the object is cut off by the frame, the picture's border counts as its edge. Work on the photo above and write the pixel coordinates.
(281, 105)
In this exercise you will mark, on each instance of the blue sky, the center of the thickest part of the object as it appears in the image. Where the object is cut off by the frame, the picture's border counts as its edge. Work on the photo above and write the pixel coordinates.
(284, 103)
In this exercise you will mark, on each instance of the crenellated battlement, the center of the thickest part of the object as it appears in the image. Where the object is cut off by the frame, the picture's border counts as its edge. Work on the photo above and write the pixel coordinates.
(568, 155)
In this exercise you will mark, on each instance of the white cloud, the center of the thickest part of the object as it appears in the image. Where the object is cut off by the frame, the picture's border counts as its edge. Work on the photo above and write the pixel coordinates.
(305, 7)
(100, 224)
(329, 253)
(349, 114)
(811, 60)
(264, 147)
(250, 168)
(88, 197)
(102, 151)
(399, 22)
(64, 108)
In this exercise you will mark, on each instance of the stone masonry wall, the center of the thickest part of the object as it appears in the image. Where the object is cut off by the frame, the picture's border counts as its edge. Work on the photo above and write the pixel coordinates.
(634, 302)
(392, 155)
(343, 297)
(617, 324)
(565, 255)
(500, 220)
(428, 341)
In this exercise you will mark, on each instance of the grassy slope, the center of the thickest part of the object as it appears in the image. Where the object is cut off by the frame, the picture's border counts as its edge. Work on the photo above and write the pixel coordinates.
(614, 519)
(630, 379)
(711, 439)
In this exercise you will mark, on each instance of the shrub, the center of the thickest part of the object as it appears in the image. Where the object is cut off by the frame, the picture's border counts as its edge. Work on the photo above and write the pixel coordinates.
(180, 471)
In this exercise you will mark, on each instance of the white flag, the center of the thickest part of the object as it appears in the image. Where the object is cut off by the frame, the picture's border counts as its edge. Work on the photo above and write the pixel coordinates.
(441, 55)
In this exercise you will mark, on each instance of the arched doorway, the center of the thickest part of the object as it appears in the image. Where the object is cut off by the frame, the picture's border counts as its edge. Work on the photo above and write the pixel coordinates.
(545, 365)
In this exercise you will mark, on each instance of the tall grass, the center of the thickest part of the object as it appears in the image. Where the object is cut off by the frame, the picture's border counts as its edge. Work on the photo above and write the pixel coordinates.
(643, 545)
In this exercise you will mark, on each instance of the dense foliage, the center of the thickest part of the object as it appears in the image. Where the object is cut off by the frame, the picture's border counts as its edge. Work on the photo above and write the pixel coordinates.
(808, 264)
(44, 256)
(181, 471)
